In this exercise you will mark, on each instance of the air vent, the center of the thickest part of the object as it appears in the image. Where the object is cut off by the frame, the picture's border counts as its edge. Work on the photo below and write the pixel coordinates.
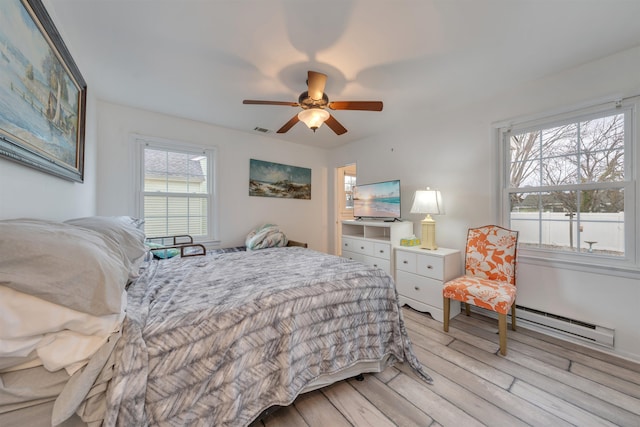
(259, 129)
(556, 325)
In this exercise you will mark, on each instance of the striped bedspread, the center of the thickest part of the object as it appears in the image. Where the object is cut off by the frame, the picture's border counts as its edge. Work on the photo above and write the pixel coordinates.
(217, 340)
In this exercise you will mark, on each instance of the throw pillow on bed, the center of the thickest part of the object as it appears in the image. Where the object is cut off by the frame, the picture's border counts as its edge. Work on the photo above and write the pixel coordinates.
(158, 252)
(265, 236)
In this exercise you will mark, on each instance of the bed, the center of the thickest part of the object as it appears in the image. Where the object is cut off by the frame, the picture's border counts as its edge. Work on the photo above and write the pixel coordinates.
(211, 340)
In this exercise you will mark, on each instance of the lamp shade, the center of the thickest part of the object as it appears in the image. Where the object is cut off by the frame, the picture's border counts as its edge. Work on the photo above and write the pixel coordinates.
(427, 202)
(313, 117)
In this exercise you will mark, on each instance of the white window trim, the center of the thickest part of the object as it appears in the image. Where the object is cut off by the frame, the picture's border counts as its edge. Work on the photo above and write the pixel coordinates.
(139, 142)
(627, 266)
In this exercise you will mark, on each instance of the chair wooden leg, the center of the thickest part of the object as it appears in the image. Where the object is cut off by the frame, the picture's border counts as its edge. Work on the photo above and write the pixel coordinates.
(502, 331)
(513, 316)
(467, 309)
(446, 307)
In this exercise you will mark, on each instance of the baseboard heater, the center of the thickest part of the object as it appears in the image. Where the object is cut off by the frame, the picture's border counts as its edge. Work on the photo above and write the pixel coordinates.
(556, 325)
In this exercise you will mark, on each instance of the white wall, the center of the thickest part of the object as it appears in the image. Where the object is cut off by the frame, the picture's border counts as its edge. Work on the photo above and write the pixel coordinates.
(455, 152)
(302, 220)
(27, 192)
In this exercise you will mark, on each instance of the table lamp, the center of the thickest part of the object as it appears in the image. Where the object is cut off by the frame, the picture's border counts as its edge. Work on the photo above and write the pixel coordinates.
(428, 202)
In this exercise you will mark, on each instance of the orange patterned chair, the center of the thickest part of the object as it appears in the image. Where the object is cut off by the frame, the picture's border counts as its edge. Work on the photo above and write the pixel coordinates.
(490, 277)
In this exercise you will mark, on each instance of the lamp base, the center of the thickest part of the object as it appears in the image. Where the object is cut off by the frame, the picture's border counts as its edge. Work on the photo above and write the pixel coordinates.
(428, 234)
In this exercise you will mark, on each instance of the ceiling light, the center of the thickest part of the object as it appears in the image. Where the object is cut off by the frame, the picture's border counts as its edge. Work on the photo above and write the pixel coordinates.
(313, 117)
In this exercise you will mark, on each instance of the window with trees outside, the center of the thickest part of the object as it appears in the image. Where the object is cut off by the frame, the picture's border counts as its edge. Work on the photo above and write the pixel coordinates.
(175, 190)
(568, 187)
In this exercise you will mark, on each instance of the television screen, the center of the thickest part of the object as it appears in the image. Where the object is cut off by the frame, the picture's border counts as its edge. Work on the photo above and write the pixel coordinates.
(377, 200)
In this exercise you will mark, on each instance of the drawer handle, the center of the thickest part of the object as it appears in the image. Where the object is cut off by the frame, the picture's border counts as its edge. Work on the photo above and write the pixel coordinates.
(430, 267)
(361, 247)
(416, 288)
(405, 262)
(375, 265)
(381, 251)
(346, 244)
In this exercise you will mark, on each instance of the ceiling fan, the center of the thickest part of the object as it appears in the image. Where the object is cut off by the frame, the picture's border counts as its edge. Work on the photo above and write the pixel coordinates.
(314, 102)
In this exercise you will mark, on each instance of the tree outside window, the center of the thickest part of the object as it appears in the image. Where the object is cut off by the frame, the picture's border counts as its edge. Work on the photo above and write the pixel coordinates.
(566, 185)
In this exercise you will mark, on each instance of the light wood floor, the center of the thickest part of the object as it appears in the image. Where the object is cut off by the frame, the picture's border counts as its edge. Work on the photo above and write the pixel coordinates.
(542, 381)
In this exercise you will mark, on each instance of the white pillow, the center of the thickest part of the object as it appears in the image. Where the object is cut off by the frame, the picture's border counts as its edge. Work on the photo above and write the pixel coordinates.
(64, 264)
(125, 230)
(61, 337)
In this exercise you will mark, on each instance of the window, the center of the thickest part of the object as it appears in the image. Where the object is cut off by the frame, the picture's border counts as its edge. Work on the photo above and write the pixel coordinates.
(349, 183)
(568, 187)
(175, 189)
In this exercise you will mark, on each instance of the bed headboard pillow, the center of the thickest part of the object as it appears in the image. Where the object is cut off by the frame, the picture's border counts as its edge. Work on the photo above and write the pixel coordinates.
(265, 236)
(67, 265)
(125, 230)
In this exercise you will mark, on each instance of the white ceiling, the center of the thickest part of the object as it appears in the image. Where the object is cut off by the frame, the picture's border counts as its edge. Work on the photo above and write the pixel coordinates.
(199, 59)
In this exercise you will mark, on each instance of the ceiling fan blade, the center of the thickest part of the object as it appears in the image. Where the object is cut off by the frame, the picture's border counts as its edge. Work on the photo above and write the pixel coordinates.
(335, 125)
(316, 82)
(253, 101)
(289, 124)
(356, 105)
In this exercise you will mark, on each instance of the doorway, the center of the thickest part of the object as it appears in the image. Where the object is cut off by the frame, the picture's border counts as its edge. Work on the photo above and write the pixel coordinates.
(345, 181)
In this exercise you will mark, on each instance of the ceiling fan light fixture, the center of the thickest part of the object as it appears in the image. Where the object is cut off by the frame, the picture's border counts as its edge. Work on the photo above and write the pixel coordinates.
(313, 117)
(313, 103)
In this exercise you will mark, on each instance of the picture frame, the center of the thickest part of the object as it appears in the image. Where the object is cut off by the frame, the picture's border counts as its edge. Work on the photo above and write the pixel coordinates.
(269, 179)
(42, 93)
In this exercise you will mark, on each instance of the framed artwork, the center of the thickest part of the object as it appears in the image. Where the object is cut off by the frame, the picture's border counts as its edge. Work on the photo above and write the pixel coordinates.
(42, 93)
(267, 179)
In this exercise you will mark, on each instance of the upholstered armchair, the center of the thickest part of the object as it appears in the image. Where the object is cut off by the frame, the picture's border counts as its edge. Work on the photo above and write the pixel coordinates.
(490, 277)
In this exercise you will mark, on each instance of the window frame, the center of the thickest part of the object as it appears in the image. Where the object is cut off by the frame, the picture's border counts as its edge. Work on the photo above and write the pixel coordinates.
(348, 210)
(622, 265)
(140, 142)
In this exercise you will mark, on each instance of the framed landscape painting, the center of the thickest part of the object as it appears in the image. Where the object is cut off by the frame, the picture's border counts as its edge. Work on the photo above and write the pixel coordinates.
(267, 179)
(42, 93)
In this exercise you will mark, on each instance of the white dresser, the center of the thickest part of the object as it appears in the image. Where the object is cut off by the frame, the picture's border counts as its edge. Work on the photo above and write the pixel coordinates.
(372, 242)
(420, 274)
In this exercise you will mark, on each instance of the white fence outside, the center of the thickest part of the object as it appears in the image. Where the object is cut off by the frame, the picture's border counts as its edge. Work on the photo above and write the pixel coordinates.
(605, 229)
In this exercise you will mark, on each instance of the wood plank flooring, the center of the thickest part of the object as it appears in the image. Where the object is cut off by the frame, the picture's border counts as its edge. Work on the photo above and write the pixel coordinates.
(543, 381)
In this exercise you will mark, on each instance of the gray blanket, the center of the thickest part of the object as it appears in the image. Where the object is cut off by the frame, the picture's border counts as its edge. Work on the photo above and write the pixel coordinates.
(217, 340)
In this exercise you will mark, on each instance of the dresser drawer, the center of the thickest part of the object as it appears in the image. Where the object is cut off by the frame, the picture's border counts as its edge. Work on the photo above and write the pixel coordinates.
(382, 264)
(430, 266)
(382, 250)
(353, 256)
(364, 247)
(422, 289)
(405, 261)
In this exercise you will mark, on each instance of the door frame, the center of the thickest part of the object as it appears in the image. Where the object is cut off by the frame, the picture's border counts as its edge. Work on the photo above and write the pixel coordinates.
(341, 212)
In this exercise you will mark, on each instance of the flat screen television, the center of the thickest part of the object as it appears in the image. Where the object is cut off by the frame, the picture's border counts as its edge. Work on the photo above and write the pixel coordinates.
(379, 200)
